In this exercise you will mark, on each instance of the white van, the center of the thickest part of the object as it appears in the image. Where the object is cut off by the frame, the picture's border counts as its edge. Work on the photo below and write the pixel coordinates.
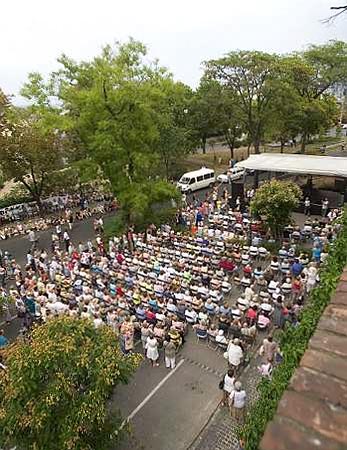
(198, 179)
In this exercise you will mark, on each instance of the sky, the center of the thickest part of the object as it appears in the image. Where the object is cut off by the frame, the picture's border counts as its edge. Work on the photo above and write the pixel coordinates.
(180, 33)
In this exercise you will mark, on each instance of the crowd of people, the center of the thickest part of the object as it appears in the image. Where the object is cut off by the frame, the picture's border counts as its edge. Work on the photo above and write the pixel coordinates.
(214, 277)
(66, 217)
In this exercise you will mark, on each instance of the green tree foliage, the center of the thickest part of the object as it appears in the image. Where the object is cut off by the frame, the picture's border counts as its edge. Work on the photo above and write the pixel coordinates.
(274, 201)
(54, 392)
(204, 112)
(176, 138)
(215, 112)
(251, 76)
(28, 153)
(312, 73)
(115, 107)
(285, 123)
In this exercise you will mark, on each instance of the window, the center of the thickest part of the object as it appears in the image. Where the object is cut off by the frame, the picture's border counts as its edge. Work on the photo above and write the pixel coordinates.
(207, 176)
(192, 181)
(200, 178)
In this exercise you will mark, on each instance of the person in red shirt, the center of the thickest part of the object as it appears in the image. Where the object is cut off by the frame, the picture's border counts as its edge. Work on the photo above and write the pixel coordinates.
(247, 269)
(227, 264)
(119, 290)
(251, 315)
(150, 315)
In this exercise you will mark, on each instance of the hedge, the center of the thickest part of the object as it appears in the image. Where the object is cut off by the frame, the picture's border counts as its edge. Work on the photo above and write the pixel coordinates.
(294, 341)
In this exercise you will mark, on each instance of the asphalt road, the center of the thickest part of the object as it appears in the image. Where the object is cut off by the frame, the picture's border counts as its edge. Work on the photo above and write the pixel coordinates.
(18, 246)
(168, 409)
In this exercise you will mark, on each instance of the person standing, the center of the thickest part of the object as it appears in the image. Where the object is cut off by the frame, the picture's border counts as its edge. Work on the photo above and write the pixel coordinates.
(170, 354)
(32, 239)
(234, 353)
(307, 204)
(152, 350)
(2, 276)
(66, 238)
(58, 230)
(228, 386)
(269, 349)
(237, 402)
(70, 221)
(238, 203)
(325, 206)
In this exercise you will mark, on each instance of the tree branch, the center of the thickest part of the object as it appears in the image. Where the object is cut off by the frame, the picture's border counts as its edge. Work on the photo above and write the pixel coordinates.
(113, 113)
(341, 10)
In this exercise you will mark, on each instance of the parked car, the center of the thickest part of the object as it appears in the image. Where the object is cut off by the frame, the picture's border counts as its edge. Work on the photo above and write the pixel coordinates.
(233, 174)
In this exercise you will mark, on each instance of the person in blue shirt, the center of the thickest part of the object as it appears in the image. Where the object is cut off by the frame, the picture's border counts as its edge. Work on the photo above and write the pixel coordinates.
(140, 312)
(199, 218)
(3, 339)
(316, 252)
(297, 268)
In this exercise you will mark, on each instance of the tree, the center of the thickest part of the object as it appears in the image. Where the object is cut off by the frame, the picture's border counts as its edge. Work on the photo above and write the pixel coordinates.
(176, 137)
(204, 111)
(251, 76)
(313, 73)
(112, 106)
(274, 202)
(28, 154)
(231, 122)
(54, 392)
(285, 123)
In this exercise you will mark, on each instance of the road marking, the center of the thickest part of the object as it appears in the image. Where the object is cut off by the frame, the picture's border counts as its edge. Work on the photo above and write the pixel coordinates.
(150, 395)
(204, 367)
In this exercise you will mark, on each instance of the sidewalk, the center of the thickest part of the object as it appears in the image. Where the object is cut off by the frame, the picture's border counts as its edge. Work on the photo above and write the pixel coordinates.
(220, 433)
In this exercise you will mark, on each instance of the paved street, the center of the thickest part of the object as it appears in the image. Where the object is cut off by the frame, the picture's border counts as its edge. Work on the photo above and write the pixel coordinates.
(172, 414)
(18, 246)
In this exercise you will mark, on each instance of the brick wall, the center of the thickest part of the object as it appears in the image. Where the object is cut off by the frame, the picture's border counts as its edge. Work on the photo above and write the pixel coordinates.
(312, 413)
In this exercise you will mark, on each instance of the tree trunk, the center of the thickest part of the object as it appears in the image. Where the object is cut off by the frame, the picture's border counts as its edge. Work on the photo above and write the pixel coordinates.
(37, 199)
(303, 142)
(231, 152)
(203, 141)
(256, 147)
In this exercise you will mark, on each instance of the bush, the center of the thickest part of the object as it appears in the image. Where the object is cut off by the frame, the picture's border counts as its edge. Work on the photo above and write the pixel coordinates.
(54, 394)
(274, 202)
(294, 341)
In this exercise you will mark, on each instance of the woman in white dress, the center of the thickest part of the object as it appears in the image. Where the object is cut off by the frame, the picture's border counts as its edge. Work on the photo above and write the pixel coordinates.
(152, 350)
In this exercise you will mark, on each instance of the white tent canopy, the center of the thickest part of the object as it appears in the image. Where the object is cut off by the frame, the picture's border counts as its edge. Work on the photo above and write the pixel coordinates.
(298, 164)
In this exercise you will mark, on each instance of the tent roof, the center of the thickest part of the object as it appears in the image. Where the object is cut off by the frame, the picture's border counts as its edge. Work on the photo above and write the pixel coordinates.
(298, 164)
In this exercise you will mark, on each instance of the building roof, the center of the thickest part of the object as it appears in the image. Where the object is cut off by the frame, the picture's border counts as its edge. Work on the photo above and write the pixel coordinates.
(298, 164)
